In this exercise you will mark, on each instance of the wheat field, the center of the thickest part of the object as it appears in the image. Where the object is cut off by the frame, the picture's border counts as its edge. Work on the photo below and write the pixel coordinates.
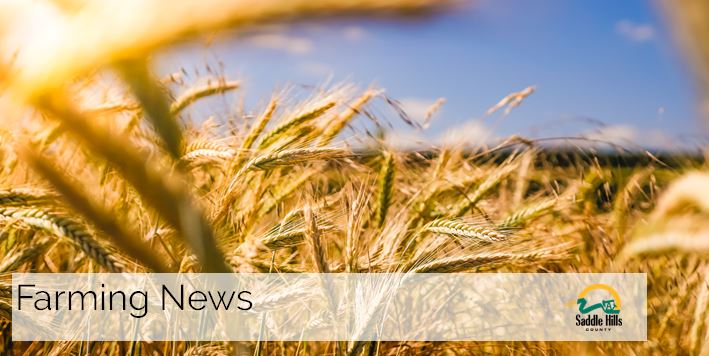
(94, 181)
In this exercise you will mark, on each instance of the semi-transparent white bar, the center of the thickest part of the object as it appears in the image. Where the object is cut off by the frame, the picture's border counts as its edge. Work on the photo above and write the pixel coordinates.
(319, 307)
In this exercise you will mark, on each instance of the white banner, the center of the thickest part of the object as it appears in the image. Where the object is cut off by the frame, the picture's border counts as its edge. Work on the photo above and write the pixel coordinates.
(330, 307)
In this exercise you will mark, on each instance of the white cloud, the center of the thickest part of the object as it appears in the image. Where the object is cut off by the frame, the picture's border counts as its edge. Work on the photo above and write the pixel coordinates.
(468, 134)
(615, 134)
(473, 133)
(353, 33)
(281, 41)
(632, 138)
(406, 139)
(317, 69)
(634, 31)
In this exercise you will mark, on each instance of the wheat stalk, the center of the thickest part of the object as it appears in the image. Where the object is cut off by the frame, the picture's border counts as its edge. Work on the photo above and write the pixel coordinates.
(356, 205)
(313, 234)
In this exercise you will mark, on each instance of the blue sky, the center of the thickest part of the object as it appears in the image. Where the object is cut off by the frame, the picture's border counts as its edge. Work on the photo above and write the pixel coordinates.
(591, 60)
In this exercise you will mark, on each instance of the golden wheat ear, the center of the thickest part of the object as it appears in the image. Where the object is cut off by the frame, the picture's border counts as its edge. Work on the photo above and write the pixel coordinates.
(385, 187)
(467, 230)
(64, 227)
(295, 122)
(474, 261)
(526, 214)
(341, 120)
(192, 95)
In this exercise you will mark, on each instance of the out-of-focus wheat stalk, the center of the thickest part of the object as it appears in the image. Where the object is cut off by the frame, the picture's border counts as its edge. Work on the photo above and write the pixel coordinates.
(120, 235)
(690, 20)
(112, 30)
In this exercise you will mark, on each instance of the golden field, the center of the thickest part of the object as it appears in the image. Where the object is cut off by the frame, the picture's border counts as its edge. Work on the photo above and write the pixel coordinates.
(110, 176)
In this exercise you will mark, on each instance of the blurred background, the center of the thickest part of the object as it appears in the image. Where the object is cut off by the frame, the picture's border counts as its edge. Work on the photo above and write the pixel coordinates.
(603, 70)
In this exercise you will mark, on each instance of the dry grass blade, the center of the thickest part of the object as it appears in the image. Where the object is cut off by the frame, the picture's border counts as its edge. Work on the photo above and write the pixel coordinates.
(465, 230)
(66, 228)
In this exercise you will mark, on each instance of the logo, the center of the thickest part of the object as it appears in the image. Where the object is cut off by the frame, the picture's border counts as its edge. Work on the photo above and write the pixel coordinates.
(599, 308)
